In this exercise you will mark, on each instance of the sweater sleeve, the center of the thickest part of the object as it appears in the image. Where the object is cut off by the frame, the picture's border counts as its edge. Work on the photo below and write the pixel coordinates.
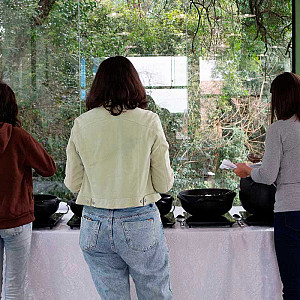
(74, 165)
(37, 158)
(268, 171)
(161, 172)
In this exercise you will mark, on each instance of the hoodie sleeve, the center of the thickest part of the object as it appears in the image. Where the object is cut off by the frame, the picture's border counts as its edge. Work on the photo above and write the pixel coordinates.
(74, 165)
(161, 172)
(38, 158)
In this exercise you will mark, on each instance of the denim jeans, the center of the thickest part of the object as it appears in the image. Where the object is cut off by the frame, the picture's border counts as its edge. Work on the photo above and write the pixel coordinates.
(287, 246)
(117, 243)
(16, 244)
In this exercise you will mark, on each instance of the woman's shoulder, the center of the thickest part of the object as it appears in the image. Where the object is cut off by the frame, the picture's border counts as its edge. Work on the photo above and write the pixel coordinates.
(145, 112)
(291, 122)
(96, 113)
(22, 136)
(142, 116)
(21, 132)
(138, 115)
(284, 126)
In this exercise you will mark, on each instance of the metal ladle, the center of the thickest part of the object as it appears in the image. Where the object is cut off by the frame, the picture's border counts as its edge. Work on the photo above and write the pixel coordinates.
(238, 220)
(181, 220)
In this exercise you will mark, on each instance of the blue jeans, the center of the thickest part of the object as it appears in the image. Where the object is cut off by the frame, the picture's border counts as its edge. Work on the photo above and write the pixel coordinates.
(117, 243)
(16, 244)
(287, 246)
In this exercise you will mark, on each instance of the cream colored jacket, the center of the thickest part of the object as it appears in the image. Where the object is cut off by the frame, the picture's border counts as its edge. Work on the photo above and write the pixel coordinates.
(118, 161)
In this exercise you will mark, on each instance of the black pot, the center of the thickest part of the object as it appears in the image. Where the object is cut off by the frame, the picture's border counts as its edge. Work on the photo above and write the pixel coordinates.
(75, 208)
(257, 198)
(164, 205)
(199, 202)
(45, 205)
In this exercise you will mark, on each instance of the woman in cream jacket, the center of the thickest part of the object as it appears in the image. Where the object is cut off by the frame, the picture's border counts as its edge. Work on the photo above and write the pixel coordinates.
(118, 163)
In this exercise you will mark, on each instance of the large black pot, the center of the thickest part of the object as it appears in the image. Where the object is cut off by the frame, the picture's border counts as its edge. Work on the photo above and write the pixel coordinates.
(164, 205)
(257, 198)
(75, 208)
(45, 205)
(199, 202)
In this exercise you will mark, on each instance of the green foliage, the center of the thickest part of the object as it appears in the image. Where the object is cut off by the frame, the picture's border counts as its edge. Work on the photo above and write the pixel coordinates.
(39, 55)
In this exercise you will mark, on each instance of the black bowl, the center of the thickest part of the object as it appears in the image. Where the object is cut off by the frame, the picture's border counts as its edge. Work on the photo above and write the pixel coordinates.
(199, 202)
(75, 208)
(257, 198)
(164, 204)
(45, 205)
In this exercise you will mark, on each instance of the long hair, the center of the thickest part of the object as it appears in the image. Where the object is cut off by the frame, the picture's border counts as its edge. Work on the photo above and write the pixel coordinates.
(285, 100)
(116, 87)
(8, 106)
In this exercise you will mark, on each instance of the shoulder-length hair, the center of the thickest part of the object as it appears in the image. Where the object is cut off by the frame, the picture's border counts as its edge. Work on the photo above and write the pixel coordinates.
(8, 106)
(116, 87)
(285, 100)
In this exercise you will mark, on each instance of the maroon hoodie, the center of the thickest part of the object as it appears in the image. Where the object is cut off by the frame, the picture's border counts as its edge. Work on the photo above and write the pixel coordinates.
(19, 153)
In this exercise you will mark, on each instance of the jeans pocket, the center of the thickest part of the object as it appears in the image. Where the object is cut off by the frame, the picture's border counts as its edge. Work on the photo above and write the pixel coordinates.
(89, 230)
(292, 220)
(140, 235)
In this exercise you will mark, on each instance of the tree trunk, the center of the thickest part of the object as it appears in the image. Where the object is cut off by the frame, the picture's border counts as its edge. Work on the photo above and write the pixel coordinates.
(33, 61)
(1, 57)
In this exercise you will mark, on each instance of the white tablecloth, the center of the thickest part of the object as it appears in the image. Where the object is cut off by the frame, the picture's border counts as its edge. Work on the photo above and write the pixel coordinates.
(206, 264)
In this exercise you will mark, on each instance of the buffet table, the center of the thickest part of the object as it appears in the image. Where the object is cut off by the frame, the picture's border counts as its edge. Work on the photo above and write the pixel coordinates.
(206, 264)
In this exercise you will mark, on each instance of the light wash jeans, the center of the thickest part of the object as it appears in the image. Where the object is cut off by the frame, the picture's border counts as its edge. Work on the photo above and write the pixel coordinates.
(119, 242)
(16, 244)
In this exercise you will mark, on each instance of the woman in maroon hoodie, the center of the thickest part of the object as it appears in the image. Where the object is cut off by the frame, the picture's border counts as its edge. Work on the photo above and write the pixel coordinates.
(19, 153)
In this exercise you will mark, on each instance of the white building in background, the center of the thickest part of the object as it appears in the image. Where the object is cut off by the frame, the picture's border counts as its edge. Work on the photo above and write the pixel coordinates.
(165, 79)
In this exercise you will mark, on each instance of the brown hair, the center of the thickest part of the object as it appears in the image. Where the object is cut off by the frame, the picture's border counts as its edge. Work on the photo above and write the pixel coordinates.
(285, 100)
(116, 87)
(8, 106)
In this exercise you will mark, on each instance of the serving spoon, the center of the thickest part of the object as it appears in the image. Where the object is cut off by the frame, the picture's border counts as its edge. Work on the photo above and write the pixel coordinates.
(238, 220)
(181, 220)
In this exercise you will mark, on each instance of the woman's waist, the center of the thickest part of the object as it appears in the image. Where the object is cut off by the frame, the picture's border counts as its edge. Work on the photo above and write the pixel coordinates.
(287, 197)
(109, 201)
(119, 213)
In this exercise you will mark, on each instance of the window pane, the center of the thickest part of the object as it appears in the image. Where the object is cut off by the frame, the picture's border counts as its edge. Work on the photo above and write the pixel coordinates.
(207, 68)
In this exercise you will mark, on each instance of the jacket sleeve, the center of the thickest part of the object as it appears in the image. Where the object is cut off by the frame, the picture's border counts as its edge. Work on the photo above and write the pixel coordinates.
(38, 158)
(268, 171)
(161, 172)
(74, 165)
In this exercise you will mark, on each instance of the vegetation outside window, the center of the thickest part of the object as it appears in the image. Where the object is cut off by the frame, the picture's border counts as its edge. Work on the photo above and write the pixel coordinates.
(207, 67)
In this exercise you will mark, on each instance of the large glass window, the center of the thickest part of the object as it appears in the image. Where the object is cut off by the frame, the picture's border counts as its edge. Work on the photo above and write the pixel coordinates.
(206, 65)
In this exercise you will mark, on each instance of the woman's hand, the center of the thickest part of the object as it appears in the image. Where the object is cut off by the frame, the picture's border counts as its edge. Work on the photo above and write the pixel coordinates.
(242, 170)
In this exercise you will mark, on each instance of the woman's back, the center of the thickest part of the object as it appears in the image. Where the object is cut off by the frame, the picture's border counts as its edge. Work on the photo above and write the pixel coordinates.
(287, 133)
(118, 162)
(116, 152)
(19, 152)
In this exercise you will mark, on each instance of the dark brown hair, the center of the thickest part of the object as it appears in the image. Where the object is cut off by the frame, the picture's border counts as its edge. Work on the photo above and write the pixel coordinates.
(116, 87)
(8, 106)
(285, 100)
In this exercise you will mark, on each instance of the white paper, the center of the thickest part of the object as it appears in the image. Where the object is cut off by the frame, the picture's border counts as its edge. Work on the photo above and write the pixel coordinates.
(227, 165)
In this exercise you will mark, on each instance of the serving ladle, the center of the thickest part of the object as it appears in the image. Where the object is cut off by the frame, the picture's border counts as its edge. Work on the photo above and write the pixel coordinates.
(238, 220)
(181, 220)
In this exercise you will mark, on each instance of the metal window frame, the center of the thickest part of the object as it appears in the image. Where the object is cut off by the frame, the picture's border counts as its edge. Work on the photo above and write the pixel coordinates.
(296, 37)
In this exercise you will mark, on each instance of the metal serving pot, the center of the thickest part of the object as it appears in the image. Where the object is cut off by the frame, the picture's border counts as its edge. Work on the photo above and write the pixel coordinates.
(257, 198)
(75, 208)
(164, 205)
(45, 205)
(206, 201)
